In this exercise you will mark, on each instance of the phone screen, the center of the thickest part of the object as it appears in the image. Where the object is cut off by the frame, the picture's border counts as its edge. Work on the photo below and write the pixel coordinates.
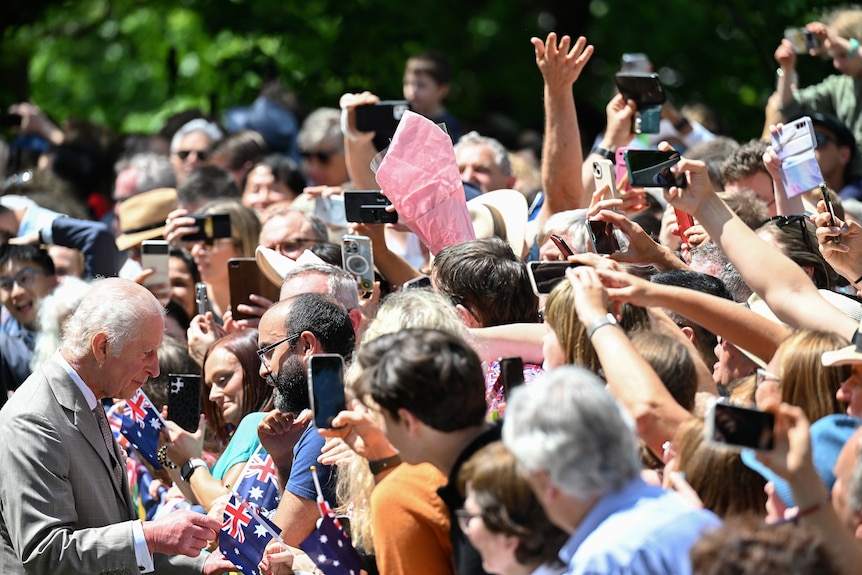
(737, 426)
(544, 276)
(184, 400)
(602, 235)
(511, 373)
(649, 168)
(326, 388)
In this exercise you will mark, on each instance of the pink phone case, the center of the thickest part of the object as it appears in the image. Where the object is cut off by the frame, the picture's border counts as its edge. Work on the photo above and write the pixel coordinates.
(620, 168)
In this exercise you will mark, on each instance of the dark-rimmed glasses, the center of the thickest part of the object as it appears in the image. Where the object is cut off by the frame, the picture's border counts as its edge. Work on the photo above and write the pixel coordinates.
(24, 278)
(322, 157)
(292, 245)
(822, 140)
(265, 353)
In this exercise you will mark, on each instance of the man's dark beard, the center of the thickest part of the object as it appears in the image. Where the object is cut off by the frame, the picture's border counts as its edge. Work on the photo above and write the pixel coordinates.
(291, 386)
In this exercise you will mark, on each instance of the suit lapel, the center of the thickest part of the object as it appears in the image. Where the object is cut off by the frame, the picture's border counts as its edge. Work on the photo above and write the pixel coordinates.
(72, 400)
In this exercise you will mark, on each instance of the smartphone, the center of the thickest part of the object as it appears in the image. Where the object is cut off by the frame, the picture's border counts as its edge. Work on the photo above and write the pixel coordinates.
(794, 144)
(645, 89)
(210, 227)
(824, 194)
(184, 400)
(244, 278)
(358, 260)
(739, 427)
(368, 207)
(804, 40)
(511, 373)
(651, 169)
(602, 236)
(544, 276)
(201, 298)
(562, 245)
(8, 120)
(620, 168)
(419, 282)
(603, 175)
(635, 62)
(326, 388)
(382, 117)
(684, 220)
(155, 256)
(331, 210)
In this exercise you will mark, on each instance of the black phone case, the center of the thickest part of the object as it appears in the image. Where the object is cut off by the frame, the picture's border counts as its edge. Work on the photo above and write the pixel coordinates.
(184, 400)
(211, 226)
(602, 235)
(368, 207)
(644, 88)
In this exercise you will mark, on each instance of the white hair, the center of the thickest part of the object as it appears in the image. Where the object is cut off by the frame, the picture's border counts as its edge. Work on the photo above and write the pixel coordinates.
(501, 155)
(54, 309)
(342, 285)
(568, 424)
(572, 223)
(212, 131)
(113, 307)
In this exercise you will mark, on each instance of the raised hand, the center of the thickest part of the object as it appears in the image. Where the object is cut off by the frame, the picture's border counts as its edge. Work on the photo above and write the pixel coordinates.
(560, 65)
(180, 533)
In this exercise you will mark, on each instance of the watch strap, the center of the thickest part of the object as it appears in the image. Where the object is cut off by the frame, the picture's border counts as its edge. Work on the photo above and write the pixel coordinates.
(380, 465)
(600, 323)
(188, 468)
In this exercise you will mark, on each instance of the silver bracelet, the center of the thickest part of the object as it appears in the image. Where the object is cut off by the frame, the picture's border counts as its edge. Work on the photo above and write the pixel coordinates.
(600, 323)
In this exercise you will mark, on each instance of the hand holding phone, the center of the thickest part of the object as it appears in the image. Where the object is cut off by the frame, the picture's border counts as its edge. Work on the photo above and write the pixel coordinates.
(544, 276)
(210, 227)
(155, 255)
(824, 193)
(602, 236)
(562, 245)
(652, 169)
(326, 388)
(739, 427)
(244, 279)
(511, 373)
(794, 145)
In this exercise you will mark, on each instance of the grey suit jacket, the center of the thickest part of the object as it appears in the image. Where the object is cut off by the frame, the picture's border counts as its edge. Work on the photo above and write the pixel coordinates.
(61, 508)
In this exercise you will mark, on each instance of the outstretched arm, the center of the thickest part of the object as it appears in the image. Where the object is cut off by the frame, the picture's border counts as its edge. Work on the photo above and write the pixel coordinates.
(784, 286)
(562, 154)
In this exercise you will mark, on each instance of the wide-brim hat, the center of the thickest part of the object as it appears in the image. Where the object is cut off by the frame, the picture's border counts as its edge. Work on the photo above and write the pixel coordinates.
(142, 217)
(276, 266)
(500, 213)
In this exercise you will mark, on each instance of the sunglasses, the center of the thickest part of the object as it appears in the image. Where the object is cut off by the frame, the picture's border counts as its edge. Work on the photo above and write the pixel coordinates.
(202, 155)
(288, 246)
(822, 140)
(795, 220)
(322, 157)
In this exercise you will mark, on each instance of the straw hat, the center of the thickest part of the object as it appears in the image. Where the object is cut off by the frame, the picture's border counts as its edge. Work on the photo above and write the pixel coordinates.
(142, 217)
(501, 213)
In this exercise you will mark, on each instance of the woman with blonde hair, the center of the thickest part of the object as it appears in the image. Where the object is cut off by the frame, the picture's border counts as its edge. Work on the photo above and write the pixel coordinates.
(796, 374)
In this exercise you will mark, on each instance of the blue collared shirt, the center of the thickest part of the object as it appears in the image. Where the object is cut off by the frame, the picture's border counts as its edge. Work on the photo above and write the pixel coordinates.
(641, 529)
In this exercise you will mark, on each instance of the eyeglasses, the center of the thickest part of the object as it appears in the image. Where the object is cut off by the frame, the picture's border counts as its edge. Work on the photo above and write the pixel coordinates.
(202, 155)
(794, 220)
(822, 140)
(265, 353)
(322, 157)
(209, 244)
(761, 376)
(292, 245)
(464, 518)
(24, 278)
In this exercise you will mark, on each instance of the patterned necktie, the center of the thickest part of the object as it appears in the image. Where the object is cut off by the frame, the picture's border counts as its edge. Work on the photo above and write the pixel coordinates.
(108, 437)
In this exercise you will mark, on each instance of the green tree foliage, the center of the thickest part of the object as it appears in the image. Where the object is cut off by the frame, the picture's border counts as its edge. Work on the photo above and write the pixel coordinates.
(130, 64)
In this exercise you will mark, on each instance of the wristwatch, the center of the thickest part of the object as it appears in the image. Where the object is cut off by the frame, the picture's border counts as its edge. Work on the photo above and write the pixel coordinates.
(600, 323)
(605, 153)
(188, 468)
(380, 465)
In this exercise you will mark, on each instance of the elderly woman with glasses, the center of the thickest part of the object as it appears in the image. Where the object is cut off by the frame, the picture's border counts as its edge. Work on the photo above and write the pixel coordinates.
(503, 519)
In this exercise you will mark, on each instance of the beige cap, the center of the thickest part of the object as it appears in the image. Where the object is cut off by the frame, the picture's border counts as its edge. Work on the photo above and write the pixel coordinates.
(142, 216)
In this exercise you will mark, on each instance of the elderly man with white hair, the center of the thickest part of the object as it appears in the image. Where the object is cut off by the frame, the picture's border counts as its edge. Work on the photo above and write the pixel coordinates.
(579, 452)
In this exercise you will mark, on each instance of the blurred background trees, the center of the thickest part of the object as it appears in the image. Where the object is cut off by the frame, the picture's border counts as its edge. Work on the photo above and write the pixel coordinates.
(130, 64)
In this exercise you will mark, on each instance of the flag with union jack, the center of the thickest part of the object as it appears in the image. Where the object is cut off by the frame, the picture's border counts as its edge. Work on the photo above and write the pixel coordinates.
(141, 425)
(244, 535)
(258, 484)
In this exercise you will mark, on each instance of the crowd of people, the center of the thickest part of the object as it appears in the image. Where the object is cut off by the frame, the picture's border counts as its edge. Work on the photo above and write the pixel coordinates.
(602, 458)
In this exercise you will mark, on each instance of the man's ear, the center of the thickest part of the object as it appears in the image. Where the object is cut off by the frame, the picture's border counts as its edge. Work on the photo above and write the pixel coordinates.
(689, 333)
(410, 420)
(467, 316)
(308, 345)
(99, 345)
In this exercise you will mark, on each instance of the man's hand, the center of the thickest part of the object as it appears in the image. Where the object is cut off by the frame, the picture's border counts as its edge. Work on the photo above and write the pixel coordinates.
(217, 564)
(180, 533)
(618, 132)
(699, 187)
(279, 432)
(560, 66)
(785, 56)
(256, 311)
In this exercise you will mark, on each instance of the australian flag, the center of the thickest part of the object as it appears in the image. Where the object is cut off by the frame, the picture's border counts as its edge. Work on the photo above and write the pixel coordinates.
(258, 484)
(330, 549)
(141, 425)
(244, 535)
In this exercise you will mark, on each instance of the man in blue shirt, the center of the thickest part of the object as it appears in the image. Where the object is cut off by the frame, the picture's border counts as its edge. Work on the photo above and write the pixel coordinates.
(579, 451)
(290, 332)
